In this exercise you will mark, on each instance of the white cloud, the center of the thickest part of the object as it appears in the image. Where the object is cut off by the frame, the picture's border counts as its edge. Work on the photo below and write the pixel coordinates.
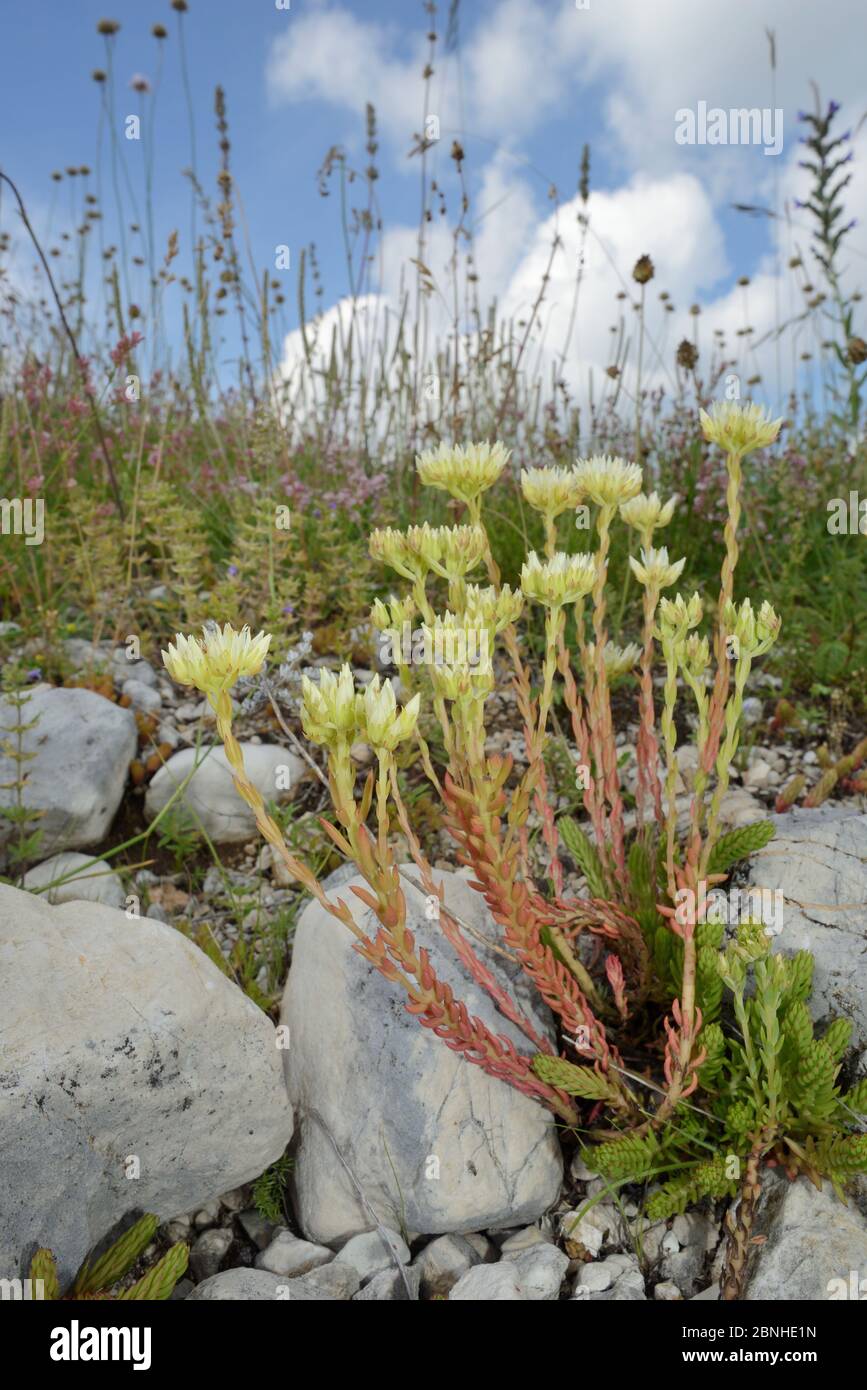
(331, 55)
(528, 61)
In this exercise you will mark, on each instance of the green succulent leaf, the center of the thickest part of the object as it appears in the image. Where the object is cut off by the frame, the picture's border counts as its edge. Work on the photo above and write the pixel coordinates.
(44, 1266)
(120, 1258)
(584, 854)
(157, 1285)
(739, 844)
(575, 1081)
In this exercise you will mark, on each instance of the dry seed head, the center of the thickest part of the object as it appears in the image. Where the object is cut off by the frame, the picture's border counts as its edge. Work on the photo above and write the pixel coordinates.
(687, 355)
(857, 350)
(643, 271)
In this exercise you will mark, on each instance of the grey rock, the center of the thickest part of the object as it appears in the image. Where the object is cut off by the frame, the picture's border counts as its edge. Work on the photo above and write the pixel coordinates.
(210, 798)
(84, 655)
(125, 670)
(666, 1292)
(685, 1268)
(442, 1262)
(367, 1253)
(598, 1226)
(256, 1228)
(436, 1139)
(627, 1288)
(142, 697)
(814, 1243)
(241, 1286)
(483, 1247)
(209, 1252)
(157, 1064)
(388, 1286)
(752, 710)
(519, 1241)
(338, 1281)
(288, 1255)
(176, 1229)
(596, 1278)
(235, 1200)
(541, 1270)
(685, 1259)
(94, 880)
(759, 774)
(206, 1216)
(489, 1284)
(818, 860)
(739, 807)
(83, 745)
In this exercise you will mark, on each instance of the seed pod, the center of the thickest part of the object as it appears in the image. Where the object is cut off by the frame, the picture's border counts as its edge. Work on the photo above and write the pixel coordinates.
(857, 351)
(687, 355)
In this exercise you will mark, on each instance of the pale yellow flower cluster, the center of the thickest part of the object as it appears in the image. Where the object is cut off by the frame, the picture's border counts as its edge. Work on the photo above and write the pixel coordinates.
(391, 616)
(695, 654)
(464, 471)
(755, 632)
(216, 660)
(646, 513)
(491, 608)
(333, 714)
(379, 719)
(618, 661)
(551, 490)
(608, 481)
(450, 551)
(560, 580)
(677, 615)
(654, 570)
(739, 429)
(460, 663)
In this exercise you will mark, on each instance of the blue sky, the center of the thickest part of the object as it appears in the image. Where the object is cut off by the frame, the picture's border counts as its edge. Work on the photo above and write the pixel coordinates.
(529, 83)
